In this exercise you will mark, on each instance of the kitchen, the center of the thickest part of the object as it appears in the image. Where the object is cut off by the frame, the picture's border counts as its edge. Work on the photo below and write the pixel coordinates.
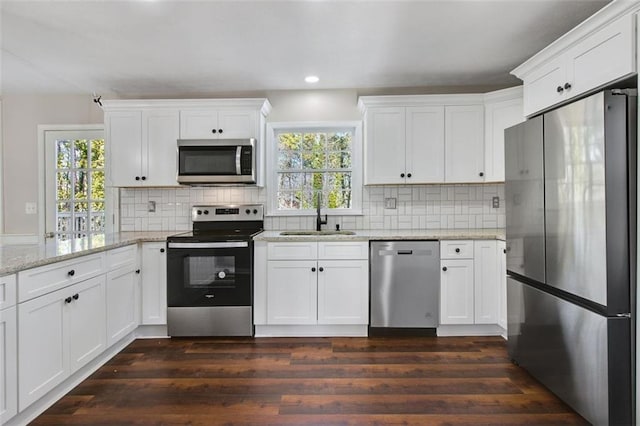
(418, 208)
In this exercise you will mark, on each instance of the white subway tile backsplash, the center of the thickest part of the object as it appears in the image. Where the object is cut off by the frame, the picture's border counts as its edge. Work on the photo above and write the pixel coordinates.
(418, 207)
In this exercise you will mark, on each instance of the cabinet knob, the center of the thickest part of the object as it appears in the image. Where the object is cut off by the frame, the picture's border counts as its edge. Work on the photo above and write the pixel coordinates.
(321, 269)
(313, 269)
(219, 130)
(68, 300)
(214, 131)
(567, 86)
(161, 250)
(444, 268)
(504, 251)
(71, 273)
(457, 250)
(76, 296)
(408, 175)
(401, 175)
(559, 89)
(137, 177)
(481, 174)
(143, 178)
(137, 271)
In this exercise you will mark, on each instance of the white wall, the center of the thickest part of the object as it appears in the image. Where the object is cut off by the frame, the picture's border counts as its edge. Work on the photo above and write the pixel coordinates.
(313, 105)
(21, 115)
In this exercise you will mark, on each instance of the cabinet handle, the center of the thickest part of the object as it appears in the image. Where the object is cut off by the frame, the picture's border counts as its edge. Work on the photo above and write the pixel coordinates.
(481, 174)
(401, 175)
(137, 177)
(76, 296)
(321, 269)
(68, 300)
(567, 86)
(71, 273)
(457, 250)
(161, 250)
(444, 268)
(137, 271)
(313, 269)
(408, 175)
(214, 131)
(559, 89)
(219, 130)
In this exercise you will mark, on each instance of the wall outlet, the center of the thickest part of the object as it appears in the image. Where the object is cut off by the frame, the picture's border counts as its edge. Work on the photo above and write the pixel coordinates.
(151, 206)
(495, 202)
(389, 203)
(30, 208)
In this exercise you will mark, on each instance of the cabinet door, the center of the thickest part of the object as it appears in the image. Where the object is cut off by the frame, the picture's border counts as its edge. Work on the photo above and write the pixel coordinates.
(343, 292)
(541, 86)
(122, 312)
(237, 123)
(385, 146)
(292, 292)
(199, 124)
(456, 291)
(499, 116)
(43, 360)
(124, 144)
(486, 282)
(160, 133)
(8, 364)
(425, 145)
(502, 284)
(86, 320)
(464, 144)
(154, 283)
(603, 57)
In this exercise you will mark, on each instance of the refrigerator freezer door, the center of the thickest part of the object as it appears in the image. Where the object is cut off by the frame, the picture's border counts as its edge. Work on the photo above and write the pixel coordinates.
(524, 199)
(583, 357)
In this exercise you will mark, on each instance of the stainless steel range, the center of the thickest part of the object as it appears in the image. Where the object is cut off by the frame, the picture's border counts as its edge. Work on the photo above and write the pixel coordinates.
(209, 272)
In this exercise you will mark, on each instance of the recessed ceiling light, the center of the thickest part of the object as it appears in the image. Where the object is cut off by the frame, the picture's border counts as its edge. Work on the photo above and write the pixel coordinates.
(311, 79)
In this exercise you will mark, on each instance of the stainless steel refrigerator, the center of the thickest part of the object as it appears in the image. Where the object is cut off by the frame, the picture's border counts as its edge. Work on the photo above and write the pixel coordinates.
(570, 193)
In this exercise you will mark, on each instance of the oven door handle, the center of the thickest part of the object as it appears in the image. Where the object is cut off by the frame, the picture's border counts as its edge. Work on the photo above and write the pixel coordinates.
(211, 245)
(238, 156)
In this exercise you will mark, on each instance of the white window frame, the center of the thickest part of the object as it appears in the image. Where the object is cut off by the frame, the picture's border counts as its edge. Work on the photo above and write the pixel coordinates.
(314, 126)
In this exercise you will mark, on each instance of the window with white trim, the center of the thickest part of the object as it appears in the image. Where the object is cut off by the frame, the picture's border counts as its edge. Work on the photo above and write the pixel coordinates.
(315, 163)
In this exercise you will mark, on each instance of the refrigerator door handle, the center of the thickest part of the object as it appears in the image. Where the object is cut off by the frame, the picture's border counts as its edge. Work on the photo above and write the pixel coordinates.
(624, 315)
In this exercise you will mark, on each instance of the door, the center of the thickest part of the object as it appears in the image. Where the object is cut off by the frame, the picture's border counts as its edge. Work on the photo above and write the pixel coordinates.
(237, 123)
(385, 146)
(486, 282)
(160, 133)
(545, 86)
(86, 320)
(464, 144)
(456, 292)
(8, 364)
(292, 292)
(124, 145)
(43, 360)
(524, 199)
(343, 292)
(122, 303)
(425, 144)
(154, 283)
(199, 124)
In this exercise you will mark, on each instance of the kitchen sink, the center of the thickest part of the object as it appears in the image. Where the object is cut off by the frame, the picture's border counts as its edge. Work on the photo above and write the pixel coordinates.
(284, 233)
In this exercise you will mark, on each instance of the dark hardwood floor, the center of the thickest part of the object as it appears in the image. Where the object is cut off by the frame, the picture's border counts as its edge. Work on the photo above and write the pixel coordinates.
(301, 381)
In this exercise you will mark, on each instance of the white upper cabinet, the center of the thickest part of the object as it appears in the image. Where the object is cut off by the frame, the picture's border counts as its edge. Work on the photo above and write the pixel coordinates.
(230, 123)
(599, 51)
(464, 144)
(159, 155)
(385, 146)
(425, 144)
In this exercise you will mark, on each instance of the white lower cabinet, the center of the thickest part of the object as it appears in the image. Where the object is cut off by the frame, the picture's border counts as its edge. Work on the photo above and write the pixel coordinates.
(470, 282)
(502, 284)
(122, 303)
(154, 284)
(8, 364)
(331, 288)
(57, 334)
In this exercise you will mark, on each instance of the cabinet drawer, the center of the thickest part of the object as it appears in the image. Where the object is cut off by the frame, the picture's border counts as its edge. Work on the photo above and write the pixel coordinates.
(123, 256)
(44, 279)
(343, 250)
(7, 291)
(456, 249)
(292, 251)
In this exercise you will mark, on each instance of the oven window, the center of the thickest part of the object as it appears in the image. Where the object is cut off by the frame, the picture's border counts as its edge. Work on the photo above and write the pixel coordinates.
(209, 271)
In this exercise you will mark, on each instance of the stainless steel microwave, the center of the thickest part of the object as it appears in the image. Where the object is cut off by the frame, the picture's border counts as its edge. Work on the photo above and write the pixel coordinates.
(216, 161)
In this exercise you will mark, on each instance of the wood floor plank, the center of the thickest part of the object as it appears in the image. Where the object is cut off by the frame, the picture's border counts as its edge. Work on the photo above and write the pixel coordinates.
(326, 381)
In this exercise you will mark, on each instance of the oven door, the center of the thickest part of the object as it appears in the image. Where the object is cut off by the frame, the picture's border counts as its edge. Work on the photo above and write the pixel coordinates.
(209, 274)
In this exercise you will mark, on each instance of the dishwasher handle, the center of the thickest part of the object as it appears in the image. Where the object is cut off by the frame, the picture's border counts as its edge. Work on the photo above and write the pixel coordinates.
(405, 251)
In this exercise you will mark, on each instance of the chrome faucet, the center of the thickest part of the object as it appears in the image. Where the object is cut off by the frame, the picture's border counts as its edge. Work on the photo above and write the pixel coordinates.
(319, 220)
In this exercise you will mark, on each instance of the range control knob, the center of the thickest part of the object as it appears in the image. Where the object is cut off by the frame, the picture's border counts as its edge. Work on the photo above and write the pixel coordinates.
(247, 211)
(206, 212)
(255, 211)
(199, 212)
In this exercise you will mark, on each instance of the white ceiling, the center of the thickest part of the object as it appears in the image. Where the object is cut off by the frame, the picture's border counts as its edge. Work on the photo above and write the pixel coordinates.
(202, 48)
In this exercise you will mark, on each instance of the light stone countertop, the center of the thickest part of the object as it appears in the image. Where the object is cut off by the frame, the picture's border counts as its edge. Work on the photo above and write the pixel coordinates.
(398, 234)
(18, 257)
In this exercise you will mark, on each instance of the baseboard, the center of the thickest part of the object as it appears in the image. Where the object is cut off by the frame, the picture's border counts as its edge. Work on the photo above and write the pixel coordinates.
(470, 330)
(151, 332)
(311, 330)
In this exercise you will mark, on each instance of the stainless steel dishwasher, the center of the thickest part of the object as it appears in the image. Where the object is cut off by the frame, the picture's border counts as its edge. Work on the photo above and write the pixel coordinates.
(405, 285)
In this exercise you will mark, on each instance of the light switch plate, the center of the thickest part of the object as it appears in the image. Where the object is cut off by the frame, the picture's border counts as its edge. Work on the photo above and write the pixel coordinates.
(495, 202)
(30, 208)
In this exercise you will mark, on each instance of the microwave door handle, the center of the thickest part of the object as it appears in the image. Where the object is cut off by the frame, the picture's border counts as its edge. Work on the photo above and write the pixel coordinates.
(238, 154)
